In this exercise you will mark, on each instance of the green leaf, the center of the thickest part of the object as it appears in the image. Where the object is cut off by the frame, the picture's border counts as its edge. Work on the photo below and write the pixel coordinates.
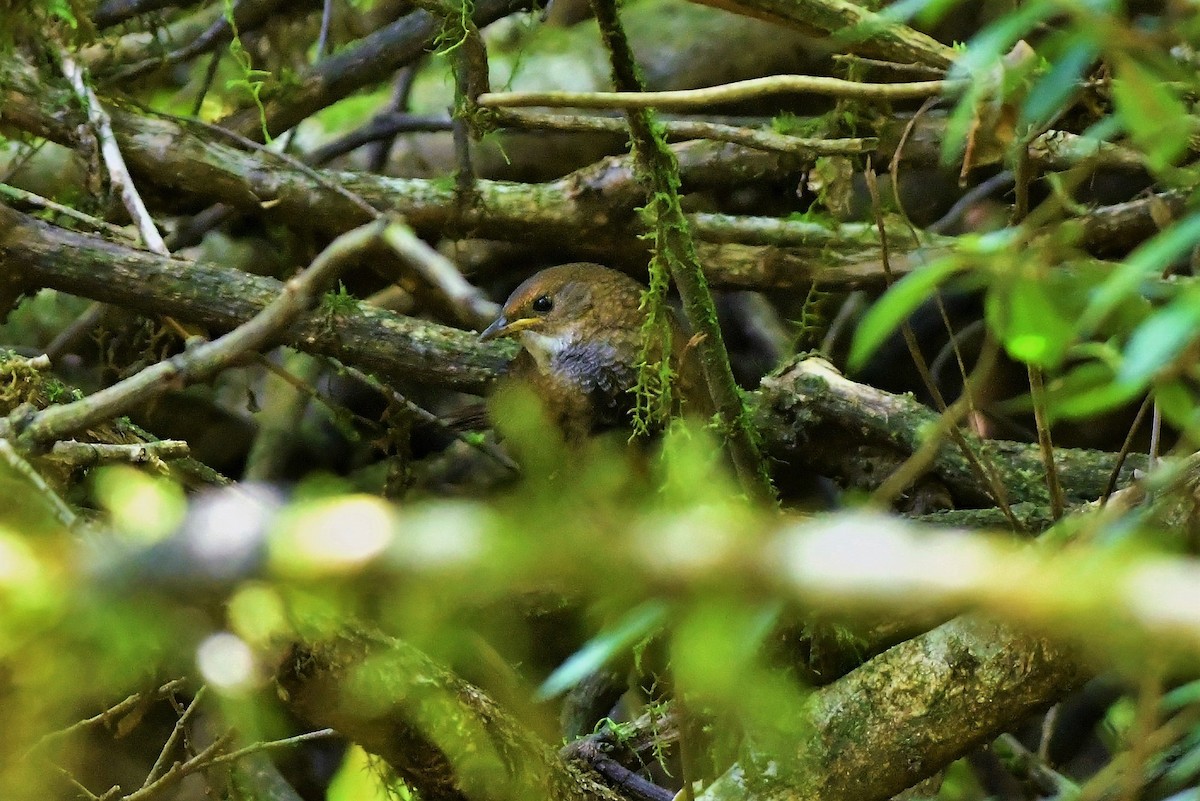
(1161, 338)
(927, 11)
(1182, 696)
(985, 49)
(896, 305)
(1152, 112)
(1055, 87)
(1151, 257)
(1034, 328)
(1176, 403)
(597, 652)
(1086, 391)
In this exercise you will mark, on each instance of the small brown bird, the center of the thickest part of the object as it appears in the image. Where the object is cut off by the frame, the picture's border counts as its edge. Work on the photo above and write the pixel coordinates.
(580, 330)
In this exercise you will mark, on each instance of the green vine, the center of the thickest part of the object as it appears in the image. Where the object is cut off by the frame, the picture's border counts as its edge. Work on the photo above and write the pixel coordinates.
(252, 80)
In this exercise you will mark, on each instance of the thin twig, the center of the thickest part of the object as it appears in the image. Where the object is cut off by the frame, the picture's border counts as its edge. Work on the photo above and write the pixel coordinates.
(88, 454)
(114, 162)
(428, 417)
(377, 154)
(275, 439)
(160, 764)
(74, 333)
(754, 88)
(1001, 180)
(923, 69)
(688, 129)
(919, 462)
(114, 711)
(291, 161)
(178, 771)
(1037, 390)
(210, 73)
(1034, 767)
(439, 271)
(40, 202)
(336, 412)
(1145, 722)
(17, 463)
(898, 160)
(233, 756)
(1049, 723)
(78, 785)
(468, 301)
(1155, 436)
(321, 50)
(18, 162)
(1126, 447)
(982, 469)
(380, 131)
(246, 17)
(978, 462)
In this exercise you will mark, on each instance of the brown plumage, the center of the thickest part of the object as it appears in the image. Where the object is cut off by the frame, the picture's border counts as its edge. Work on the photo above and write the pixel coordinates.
(579, 326)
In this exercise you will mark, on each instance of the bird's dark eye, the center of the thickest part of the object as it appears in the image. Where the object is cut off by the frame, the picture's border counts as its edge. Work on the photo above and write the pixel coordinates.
(543, 304)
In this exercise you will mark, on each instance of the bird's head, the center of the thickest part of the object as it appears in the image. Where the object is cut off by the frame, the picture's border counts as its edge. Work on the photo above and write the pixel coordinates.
(569, 304)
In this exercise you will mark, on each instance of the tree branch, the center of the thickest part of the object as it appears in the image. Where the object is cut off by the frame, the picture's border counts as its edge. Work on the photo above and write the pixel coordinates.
(857, 27)
(372, 59)
(442, 736)
(810, 414)
(807, 413)
(199, 362)
(752, 88)
(908, 713)
(401, 348)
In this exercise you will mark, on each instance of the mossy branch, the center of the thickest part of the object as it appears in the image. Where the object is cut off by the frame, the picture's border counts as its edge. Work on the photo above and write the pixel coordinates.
(854, 25)
(443, 736)
(807, 412)
(673, 246)
(199, 362)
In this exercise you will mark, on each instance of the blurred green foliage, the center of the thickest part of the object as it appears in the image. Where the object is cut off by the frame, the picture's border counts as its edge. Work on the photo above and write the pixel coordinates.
(605, 555)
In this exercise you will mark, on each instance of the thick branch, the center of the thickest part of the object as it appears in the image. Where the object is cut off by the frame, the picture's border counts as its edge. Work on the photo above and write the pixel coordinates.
(856, 26)
(588, 214)
(910, 712)
(444, 737)
(400, 348)
(202, 361)
(808, 412)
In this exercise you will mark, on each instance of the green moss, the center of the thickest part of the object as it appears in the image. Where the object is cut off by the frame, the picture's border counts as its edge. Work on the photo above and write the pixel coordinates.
(456, 25)
(335, 304)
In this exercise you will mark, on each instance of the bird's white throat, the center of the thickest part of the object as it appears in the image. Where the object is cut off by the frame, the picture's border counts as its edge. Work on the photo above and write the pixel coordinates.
(544, 348)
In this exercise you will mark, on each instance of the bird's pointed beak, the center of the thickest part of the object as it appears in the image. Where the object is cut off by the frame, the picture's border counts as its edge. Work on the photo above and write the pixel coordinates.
(496, 329)
(501, 327)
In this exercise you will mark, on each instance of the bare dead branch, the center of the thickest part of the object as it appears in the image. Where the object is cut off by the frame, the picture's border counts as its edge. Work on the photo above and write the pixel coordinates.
(690, 99)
